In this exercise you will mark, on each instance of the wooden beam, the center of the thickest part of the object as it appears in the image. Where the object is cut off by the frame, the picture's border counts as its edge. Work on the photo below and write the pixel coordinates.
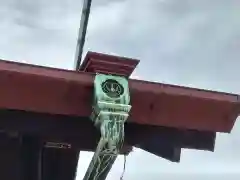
(82, 135)
(77, 131)
(167, 142)
(56, 91)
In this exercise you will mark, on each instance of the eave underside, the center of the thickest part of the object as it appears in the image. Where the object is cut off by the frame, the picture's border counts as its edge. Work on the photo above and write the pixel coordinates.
(23, 135)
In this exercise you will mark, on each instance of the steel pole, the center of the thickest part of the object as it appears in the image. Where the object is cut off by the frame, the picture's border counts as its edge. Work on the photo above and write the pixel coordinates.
(82, 32)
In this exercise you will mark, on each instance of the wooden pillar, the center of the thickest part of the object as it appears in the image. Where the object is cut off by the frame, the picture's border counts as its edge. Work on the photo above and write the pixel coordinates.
(59, 164)
(10, 160)
(31, 152)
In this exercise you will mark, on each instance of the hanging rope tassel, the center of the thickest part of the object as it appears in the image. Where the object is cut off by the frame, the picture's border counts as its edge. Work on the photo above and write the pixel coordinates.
(124, 167)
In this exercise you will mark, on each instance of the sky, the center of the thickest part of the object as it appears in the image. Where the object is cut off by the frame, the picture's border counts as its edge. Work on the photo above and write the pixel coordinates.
(193, 43)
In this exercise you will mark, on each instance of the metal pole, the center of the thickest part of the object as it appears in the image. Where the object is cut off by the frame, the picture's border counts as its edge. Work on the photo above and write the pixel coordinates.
(82, 32)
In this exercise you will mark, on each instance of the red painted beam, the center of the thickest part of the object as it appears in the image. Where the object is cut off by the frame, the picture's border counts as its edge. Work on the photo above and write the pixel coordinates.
(108, 64)
(56, 91)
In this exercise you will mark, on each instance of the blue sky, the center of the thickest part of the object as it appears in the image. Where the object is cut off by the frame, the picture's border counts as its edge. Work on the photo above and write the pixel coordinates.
(187, 42)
